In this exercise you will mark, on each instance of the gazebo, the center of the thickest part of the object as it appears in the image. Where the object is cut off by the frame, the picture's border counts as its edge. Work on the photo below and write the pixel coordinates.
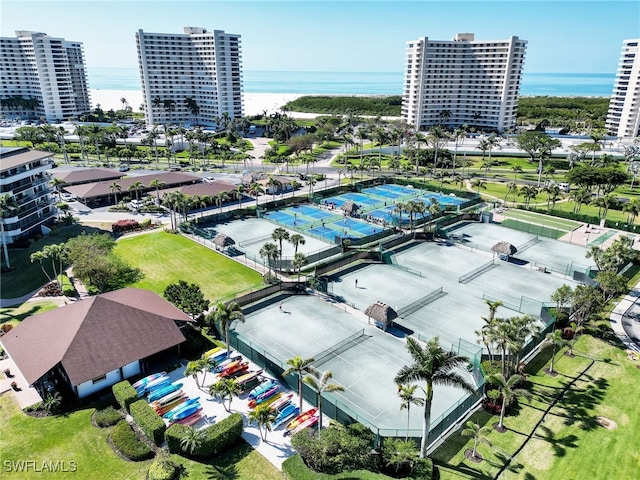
(349, 207)
(382, 314)
(222, 241)
(504, 249)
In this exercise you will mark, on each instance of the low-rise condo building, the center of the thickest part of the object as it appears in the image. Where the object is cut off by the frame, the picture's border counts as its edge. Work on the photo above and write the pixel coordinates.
(463, 81)
(623, 117)
(42, 76)
(25, 178)
(190, 78)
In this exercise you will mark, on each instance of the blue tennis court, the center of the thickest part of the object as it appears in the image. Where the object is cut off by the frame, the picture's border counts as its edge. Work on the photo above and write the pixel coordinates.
(284, 217)
(387, 214)
(360, 227)
(327, 233)
(310, 212)
(357, 198)
(442, 199)
(393, 188)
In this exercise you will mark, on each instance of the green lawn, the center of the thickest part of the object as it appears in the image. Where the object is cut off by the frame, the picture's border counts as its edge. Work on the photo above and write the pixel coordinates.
(549, 221)
(14, 315)
(72, 438)
(27, 276)
(166, 258)
(569, 444)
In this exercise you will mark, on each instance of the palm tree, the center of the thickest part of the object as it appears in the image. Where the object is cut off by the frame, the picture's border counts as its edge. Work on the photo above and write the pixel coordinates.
(192, 439)
(299, 261)
(408, 398)
(56, 183)
(229, 388)
(478, 434)
(478, 184)
(432, 365)
(255, 189)
(221, 197)
(224, 315)
(269, 251)
(298, 365)
(239, 191)
(157, 184)
(136, 187)
(194, 367)
(554, 340)
(264, 418)
(7, 206)
(115, 188)
(278, 235)
(508, 392)
(319, 381)
(296, 239)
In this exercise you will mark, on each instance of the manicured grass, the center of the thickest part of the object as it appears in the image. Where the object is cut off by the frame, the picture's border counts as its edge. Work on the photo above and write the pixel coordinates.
(553, 222)
(72, 438)
(27, 276)
(569, 444)
(166, 258)
(14, 315)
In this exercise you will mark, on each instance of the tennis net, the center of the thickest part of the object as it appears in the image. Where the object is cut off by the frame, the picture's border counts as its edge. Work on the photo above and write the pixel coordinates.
(342, 346)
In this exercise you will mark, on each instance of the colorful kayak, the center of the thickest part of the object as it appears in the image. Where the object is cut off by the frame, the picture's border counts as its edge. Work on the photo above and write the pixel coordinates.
(231, 365)
(301, 418)
(153, 383)
(146, 391)
(219, 356)
(169, 415)
(164, 391)
(195, 418)
(287, 413)
(213, 351)
(147, 379)
(247, 377)
(250, 385)
(309, 422)
(170, 406)
(222, 365)
(186, 412)
(168, 398)
(281, 402)
(260, 399)
(263, 387)
(241, 367)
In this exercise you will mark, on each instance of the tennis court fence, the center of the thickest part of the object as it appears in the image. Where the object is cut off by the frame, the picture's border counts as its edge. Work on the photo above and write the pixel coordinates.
(526, 305)
(534, 241)
(534, 228)
(421, 303)
(342, 346)
(473, 274)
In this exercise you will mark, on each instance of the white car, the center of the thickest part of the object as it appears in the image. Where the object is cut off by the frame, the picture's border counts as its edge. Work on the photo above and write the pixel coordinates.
(136, 204)
(68, 197)
(208, 179)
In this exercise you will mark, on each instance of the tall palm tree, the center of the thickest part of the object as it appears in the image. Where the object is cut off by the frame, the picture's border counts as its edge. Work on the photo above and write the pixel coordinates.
(433, 366)
(278, 235)
(7, 206)
(239, 191)
(56, 183)
(224, 315)
(478, 184)
(264, 418)
(255, 189)
(298, 365)
(221, 197)
(508, 392)
(194, 367)
(408, 398)
(320, 382)
(296, 239)
(136, 187)
(555, 341)
(115, 188)
(299, 261)
(479, 435)
(270, 252)
(157, 184)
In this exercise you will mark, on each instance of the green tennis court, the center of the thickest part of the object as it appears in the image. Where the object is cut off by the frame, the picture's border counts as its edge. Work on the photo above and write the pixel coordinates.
(541, 219)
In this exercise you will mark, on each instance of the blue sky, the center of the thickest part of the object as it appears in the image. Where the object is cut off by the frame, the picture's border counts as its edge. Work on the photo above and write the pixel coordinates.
(349, 36)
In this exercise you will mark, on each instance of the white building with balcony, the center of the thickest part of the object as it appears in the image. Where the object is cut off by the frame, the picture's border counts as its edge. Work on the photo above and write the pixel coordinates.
(623, 117)
(462, 81)
(42, 76)
(190, 78)
(24, 175)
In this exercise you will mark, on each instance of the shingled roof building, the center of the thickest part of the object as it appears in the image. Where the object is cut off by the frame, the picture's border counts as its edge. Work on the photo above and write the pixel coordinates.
(94, 343)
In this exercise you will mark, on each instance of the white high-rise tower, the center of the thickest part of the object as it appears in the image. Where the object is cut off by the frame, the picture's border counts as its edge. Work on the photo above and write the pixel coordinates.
(623, 117)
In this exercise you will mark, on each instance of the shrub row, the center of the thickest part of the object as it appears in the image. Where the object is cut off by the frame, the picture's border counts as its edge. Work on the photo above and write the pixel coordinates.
(107, 417)
(217, 438)
(148, 420)
(125, 440)
(162, 469)
(125, 394)
(122, 226)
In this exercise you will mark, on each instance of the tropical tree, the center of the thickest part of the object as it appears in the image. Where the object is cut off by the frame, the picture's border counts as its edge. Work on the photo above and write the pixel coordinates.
(279, 235)
(398, 454)
(299, 261)
(255, 190)
(408, 398)
(157, 184)
(223, 315)
(7, 207)
(192, 439)
(136, 187)
(194, 367)
(264, 418)
(299, 366)
(220, 198)
(57, 183)
(321, 383)
(539, 147)
(478, 184)
(270, 252)
(115, 189)
(478, 434)
(508, 392)
(433, 366)
(52, 402)
(554, 341)
(296, 239)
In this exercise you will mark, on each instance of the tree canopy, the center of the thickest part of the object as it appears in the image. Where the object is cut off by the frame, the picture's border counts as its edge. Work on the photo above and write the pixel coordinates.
(188, 297)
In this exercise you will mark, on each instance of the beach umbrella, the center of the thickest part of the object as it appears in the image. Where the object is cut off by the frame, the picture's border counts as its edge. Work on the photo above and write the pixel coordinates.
(349, 207)
(504, 248)
(222, 241)
(382, 313)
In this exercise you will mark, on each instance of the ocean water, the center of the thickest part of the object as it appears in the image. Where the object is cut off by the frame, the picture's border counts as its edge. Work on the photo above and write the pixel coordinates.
(366, 83)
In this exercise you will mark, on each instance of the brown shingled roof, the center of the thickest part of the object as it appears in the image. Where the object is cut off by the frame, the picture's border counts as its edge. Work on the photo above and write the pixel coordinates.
(95, 336)
(100, 189)
(85, 175)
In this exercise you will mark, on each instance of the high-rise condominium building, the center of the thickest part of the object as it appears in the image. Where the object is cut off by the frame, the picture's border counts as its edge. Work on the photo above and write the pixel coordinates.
(190, 78)
(463, 81)
(42, 76)
(623, 118)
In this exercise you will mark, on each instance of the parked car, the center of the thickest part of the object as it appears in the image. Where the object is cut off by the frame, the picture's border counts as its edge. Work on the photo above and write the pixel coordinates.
(123, 168)
(68, 197)
(136, 204)
(208, 179)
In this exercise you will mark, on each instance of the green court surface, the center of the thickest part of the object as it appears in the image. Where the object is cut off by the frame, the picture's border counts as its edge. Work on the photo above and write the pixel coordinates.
(546, 220)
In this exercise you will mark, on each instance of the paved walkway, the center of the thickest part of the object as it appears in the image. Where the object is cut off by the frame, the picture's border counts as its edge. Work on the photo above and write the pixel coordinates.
(617, 317)
(26, 396)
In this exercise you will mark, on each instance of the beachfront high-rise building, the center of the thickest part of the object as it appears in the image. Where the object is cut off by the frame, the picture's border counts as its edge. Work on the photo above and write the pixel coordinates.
(623, 118)
(462, 81)
(190, 78)
(42, 76)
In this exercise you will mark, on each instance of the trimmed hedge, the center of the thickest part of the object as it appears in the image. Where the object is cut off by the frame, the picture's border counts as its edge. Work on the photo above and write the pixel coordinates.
(107, 417)
(217, 438)
(162, 469)
(125, 440)
(125, 394)
(149, 421)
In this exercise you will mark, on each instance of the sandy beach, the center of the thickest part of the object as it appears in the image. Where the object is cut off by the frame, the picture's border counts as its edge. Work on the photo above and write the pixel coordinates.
(254, 103)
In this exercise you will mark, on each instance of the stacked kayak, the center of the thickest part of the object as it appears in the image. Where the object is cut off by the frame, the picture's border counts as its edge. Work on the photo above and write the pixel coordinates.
(147, 379)
(288, 413)
(163, 391)
(301, 419)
